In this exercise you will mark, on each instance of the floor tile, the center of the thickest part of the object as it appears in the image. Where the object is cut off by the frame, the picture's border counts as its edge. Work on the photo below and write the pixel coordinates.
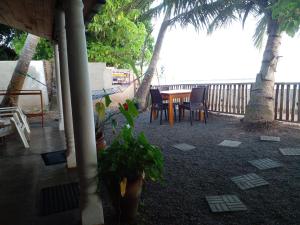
(229, 143)
(225, 203)
(250, 180)
(264, 164)
(270, 138)
(184, 147)
(290, 151)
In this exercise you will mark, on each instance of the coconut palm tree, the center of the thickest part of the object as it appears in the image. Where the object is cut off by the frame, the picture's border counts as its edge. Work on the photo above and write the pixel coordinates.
(21, 69)
(261, 105)
(183, 12)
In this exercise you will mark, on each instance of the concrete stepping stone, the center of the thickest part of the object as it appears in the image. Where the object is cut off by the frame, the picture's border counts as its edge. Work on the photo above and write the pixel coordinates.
(250, 180)
(264, 164)
(184, 147)
(270, 138)
(229, 143)
(225, 203)
(290, 151)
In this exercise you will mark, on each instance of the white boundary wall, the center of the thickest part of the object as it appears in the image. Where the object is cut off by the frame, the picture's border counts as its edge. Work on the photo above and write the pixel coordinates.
(100, 77)
(36, 70)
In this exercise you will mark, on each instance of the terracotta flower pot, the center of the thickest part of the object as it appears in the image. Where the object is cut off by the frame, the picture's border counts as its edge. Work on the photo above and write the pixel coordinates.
(126, 207)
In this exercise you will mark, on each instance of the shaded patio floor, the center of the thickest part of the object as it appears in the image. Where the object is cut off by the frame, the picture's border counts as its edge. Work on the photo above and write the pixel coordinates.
(23, 174)
(189, 176)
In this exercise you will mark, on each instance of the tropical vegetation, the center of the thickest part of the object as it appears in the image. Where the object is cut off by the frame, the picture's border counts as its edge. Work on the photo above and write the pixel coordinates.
(121, 36)
(260, 108)
(196, 13)
(118, 36)
(43, 51)
(288, 14)
(6, 36)
(130, 155)
(21, 69)
(12, 42)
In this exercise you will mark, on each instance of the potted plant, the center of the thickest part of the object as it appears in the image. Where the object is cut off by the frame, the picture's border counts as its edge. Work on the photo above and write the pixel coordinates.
(126, 163)
(102, 117)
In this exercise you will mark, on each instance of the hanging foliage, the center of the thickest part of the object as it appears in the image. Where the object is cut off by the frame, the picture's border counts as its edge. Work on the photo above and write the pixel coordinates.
(117, 36)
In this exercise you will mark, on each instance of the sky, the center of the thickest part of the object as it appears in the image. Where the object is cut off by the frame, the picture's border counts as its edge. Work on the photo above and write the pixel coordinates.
(226, 55)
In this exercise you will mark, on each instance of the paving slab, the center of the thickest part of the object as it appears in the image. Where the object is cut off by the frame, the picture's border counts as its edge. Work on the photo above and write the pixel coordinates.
(184, 147)
(270, 138)
(225, 203)
(250, 180)
(229, 143)
(264, 164)
(290, 151)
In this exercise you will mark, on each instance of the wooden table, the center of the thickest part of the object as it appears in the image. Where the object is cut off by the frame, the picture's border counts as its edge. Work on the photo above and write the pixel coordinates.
(170, 95)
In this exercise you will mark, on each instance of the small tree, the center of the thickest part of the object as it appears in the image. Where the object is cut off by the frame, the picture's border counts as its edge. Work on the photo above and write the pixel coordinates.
(118, 37)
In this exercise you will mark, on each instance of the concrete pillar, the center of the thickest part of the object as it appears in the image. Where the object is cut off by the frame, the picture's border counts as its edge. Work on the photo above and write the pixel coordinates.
(66, 95)
(84, 127)
(58, 89)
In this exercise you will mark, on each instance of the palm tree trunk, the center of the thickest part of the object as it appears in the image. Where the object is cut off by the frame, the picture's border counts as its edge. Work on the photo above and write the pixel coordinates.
(21, 69)
(143, 55)
(143, 90)
(261, 105)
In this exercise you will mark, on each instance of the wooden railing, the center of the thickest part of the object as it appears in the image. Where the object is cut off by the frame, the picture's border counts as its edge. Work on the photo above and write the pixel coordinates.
(232, 98)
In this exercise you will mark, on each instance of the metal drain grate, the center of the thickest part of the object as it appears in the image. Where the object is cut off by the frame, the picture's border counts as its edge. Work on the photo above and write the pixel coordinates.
(59, 198)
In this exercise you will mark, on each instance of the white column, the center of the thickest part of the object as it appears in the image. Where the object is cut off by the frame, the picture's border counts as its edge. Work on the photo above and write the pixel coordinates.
(66, 95)
(84, 127)
(58, 89)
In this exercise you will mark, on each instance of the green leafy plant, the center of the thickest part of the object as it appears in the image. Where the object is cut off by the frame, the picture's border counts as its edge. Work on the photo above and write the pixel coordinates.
(288, 14)
(118, 36)
(103, 116)
(44, 49)
(130, 155)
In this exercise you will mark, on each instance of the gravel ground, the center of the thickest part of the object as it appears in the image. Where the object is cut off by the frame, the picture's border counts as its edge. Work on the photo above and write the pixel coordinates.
(190, 176)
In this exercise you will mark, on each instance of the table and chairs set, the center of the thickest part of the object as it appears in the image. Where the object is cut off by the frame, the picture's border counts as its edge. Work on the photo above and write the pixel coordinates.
(167, 102)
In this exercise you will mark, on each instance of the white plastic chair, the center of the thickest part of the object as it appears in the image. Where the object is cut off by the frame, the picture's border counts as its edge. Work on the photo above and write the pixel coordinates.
(20, 128)
(5, 129)
(9, 111)
(17, 120)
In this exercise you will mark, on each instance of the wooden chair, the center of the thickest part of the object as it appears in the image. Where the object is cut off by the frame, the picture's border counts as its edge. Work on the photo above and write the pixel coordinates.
(197, 102)
(157, 104)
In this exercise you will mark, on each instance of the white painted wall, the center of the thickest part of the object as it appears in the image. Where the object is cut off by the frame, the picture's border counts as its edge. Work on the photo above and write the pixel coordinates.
(100, 76)
(36, 70)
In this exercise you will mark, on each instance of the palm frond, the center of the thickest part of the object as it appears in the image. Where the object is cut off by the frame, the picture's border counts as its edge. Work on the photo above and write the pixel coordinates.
(248, 8)
(260, 31)
(199, 16)
(142, 5)
(226, 14)
(155, 11)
